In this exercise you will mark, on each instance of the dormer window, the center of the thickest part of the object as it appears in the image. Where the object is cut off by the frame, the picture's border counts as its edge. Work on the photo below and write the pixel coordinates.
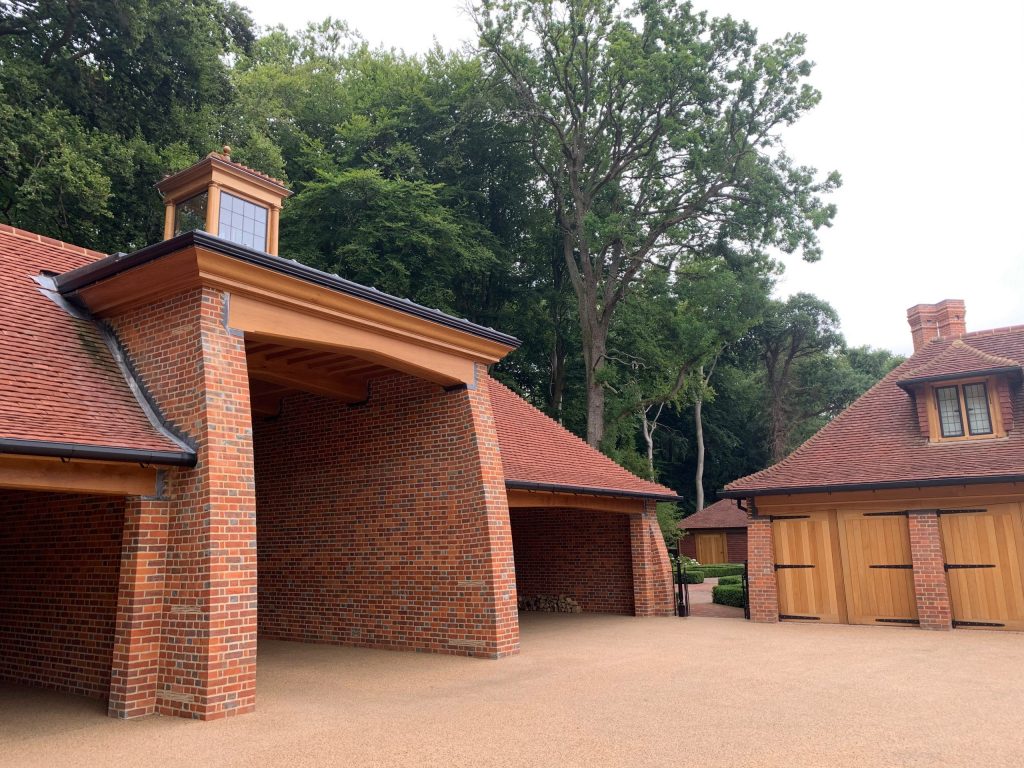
(962, 404)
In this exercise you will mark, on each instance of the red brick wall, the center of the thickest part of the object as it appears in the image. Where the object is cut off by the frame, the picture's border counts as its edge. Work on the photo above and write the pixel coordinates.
(195, 369)
(762, 586)
(385, 525)
(735, 544)
(931, 588)
(59, 559)
(652, 571)
(585, 555)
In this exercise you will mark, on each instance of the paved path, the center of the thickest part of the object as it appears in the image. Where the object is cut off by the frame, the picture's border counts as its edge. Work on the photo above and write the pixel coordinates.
(702, 605)
(586, 691)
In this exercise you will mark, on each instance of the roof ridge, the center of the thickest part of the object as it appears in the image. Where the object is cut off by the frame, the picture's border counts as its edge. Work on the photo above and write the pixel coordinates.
(995, 331)
(573, 435)
(226, 158)
(821, 433)
(24, 234)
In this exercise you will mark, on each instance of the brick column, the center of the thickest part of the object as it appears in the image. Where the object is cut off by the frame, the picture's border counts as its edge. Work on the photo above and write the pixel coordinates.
(763, 588)
(140, 603)
(652, 571)
(195, 369)
(931, 588)
(484, 571)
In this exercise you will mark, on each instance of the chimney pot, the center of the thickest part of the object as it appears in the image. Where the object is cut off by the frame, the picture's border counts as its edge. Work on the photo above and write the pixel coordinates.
(945, 320)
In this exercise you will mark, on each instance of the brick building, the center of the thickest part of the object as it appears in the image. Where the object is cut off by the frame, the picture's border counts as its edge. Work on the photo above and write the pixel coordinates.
(908, 508)
(716, 534)
(202, 443)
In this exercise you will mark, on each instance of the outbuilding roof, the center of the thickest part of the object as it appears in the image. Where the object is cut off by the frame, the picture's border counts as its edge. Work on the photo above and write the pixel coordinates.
(62, 391)
(538, 453)
(877, 441)
(724, 513)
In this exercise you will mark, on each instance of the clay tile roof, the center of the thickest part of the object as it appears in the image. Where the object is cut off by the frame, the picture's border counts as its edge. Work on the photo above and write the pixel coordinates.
(957, 360)
(537, 451)
(877, 441)
(226, 158)
(722, 514)
(58, 380)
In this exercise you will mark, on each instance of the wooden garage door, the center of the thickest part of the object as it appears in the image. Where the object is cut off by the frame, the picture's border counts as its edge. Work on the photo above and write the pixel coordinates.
(711, 548)
(877, 569)
(807, 567)
(984, 554)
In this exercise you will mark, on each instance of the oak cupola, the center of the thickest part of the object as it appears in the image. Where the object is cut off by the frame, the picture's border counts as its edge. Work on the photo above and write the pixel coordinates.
(224, 198)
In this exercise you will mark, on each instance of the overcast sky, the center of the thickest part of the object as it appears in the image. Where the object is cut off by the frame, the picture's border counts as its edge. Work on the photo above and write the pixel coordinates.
(923, 114)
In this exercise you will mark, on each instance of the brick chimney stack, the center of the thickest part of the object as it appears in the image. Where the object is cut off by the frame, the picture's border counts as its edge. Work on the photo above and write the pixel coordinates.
(944, 320)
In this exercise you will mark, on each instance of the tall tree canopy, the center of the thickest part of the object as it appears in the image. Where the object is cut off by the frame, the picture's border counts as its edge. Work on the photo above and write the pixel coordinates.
(649, 129)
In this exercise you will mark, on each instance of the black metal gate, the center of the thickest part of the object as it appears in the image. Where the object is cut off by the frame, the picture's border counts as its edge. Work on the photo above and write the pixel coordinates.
(682, 590)
(746, 592)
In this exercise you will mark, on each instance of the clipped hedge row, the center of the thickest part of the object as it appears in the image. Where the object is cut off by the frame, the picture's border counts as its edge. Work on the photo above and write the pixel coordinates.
(693, 577)
(730, 579)
(722, 569)
(728, 594)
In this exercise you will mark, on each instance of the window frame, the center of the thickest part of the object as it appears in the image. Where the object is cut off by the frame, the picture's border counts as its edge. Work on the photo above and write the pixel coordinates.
(251, 201)
(991, 400)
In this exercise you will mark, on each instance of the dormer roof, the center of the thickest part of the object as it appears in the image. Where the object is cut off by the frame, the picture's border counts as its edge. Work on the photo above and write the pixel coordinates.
(960, 360)
(877, 441)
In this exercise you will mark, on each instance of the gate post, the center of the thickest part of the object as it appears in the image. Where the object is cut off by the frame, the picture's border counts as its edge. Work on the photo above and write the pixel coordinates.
(763, 589)
(931, 590)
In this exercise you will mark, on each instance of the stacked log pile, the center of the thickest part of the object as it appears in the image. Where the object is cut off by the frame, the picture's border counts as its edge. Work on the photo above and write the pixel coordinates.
(550, 603)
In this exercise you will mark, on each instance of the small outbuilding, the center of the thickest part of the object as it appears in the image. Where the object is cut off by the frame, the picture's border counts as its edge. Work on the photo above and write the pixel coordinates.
(716, 534)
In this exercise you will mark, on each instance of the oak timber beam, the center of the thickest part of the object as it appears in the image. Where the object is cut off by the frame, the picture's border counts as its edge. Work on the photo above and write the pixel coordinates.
(40, 473)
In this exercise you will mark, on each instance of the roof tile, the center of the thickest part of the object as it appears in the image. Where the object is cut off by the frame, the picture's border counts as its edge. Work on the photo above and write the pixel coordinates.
(877, 440)
(724, 513)
(537, 449)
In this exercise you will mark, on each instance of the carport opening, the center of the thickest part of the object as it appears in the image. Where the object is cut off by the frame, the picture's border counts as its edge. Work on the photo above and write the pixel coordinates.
(584, 555)
(361, 501)
(60, 557)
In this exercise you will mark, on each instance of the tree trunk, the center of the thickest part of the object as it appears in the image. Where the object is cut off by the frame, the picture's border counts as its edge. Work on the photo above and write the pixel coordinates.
(699, 483)
(648, 430)
(595, 344)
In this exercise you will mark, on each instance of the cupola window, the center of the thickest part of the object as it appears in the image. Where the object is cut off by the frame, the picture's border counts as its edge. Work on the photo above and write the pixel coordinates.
(243, 222)
(190, 214)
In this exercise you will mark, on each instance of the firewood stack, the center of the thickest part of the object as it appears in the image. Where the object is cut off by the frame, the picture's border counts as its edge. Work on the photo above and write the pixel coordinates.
(550, 603)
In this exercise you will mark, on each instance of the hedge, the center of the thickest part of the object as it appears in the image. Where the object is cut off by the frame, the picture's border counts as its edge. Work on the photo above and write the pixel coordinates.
(693, 577)
(728, 594)
(730, 579)
(722, 569)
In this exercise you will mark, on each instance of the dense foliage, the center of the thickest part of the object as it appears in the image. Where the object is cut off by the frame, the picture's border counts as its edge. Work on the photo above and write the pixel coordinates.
(607, 185)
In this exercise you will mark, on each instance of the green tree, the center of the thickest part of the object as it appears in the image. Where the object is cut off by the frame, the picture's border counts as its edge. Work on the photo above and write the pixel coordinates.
(648, 129)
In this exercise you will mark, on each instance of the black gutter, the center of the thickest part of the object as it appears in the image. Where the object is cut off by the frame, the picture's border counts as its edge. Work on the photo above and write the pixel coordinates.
(76, 279)
(877, 486)
(906, 384)
(526, 485)
(95, 452)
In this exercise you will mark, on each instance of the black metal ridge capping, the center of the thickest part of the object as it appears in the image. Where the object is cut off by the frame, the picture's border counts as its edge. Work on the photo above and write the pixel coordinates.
(583, 490)
(71, 281)
(95, 452)
(876, 486)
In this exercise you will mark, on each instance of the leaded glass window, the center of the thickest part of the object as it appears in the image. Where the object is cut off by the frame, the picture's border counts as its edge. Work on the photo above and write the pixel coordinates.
(979, 420)
(243, 222)
(190, 214)
(950, 420)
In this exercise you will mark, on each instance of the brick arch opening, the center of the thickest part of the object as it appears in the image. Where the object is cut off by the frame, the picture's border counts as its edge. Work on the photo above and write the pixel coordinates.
(582, 554)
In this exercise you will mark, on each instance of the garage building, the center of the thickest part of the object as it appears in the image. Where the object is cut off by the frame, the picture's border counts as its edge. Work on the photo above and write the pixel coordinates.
(908, 508)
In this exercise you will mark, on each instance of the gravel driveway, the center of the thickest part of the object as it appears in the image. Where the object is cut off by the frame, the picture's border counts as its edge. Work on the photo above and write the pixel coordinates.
(586, 691)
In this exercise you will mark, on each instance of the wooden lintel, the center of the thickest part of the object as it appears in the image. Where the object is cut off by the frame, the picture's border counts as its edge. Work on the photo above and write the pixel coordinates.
(523, 499)
(39, 473)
